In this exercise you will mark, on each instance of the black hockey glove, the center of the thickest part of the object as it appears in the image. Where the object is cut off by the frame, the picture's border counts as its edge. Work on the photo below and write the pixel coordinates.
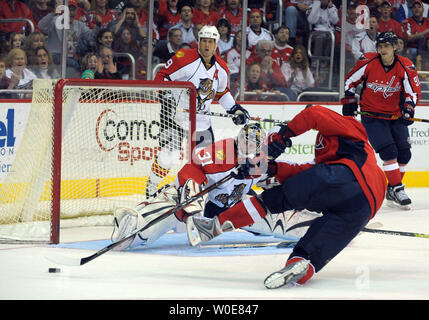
(350, 106)
(242, 171)
(241, 116)
(278, 142)
(407, 112)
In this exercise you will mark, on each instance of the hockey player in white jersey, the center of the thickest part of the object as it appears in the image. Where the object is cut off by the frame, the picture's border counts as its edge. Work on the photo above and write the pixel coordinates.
(212, 164)
(209, 74)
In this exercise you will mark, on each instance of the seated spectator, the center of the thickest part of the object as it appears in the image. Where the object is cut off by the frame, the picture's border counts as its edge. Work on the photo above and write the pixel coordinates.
(141, 63)
(255, 31)
(5, 82)
(405, 10)
(100, 14)
(416, 29)
(106, 66)
(367, 43)
(105, 38)
(323, 16)
(352, 28)
(295, 18)
(226, 39)
(13, 9)
(128, 19)
(297, 73)
(16, 40)
(185, 24)
(262, 49)
(273, 78)
(125, 43)
(89, 65)
(233, 13)
(165, 49)
(282, 50)
(18, 73)
(402, 50)
(40, 8)
(233, 56)
(386, 22)
(45, 67)
(168, 16)
(142, 10)
(204, 13)
(78, 32)
(31, 43)
(254, 82)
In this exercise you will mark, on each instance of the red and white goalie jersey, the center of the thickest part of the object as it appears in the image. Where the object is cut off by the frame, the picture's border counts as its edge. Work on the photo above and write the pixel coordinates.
(385, 88)
(213, 164)
(211, 81)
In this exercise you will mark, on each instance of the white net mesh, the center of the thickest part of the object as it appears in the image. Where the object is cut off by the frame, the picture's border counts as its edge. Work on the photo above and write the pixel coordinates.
(111, 138)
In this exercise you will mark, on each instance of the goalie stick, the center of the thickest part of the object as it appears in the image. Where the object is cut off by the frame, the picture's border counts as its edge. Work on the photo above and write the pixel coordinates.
(72, 261)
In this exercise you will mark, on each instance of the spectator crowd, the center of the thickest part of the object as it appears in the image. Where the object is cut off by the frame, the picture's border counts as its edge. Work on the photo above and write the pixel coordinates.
(279, 58)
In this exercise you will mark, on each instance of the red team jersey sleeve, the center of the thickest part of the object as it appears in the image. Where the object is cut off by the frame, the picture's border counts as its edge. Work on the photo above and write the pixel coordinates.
(384, 89)
(341, 140)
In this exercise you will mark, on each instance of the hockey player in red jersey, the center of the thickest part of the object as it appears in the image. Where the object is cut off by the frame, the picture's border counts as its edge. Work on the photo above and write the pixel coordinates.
(344, 183)
(211, 165)
(390, 92)
(209, 73)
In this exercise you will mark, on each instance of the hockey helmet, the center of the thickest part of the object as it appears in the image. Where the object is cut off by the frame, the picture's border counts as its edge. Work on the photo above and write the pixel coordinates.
(250, 140)
(387, 37)
(210, 32)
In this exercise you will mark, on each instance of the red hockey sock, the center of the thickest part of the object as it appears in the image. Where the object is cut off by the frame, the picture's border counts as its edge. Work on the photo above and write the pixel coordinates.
(393, 174)
(308, 275)
(243, 213)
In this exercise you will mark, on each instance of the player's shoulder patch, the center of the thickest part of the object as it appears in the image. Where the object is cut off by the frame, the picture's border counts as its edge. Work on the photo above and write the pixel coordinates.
(187, 53)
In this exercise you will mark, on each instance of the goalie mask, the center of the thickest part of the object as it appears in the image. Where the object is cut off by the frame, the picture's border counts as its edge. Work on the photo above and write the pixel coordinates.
(250, 140)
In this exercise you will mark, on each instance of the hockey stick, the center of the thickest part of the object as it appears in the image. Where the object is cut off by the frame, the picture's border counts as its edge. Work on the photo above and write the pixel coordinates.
(396, 233)
(227, 115)
(388, 116)
(281, 244)
(81, 261)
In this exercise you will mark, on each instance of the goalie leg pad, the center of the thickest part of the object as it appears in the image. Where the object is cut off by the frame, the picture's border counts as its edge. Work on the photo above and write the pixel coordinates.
(128, 220)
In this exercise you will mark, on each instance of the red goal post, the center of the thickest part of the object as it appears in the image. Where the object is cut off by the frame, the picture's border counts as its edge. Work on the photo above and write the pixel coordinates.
(87, 148)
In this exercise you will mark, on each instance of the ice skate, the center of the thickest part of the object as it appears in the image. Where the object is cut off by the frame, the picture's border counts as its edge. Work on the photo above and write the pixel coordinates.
(291, 274)
(125, 222)
(202, 229)
(396, 197)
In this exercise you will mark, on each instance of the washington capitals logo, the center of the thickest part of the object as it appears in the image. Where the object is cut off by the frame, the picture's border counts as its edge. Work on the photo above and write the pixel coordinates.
(386, 89)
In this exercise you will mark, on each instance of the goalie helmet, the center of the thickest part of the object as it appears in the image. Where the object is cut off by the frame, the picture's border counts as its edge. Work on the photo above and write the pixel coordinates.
(250, 140)
(210, 32)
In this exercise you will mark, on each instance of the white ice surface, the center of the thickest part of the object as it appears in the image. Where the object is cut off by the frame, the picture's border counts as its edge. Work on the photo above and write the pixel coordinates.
(373, 266)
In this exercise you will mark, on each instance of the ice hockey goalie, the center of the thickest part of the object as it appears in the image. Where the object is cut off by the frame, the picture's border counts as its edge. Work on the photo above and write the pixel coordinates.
(212, 164)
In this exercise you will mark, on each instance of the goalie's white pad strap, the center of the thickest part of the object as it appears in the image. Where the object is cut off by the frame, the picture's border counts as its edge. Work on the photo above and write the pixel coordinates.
(188, 190)
(290, 225)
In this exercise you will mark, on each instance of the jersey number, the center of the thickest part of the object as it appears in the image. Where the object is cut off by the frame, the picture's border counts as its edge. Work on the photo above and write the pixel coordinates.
(205, 158)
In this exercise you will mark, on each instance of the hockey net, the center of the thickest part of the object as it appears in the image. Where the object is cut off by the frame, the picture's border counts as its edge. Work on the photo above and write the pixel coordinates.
(88, 148)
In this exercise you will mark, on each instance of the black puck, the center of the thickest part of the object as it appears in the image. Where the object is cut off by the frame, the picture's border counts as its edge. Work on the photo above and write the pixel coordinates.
(54, 270)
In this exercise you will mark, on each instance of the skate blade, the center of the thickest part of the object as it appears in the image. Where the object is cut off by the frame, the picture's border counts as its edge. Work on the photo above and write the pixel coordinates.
(393, 204)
